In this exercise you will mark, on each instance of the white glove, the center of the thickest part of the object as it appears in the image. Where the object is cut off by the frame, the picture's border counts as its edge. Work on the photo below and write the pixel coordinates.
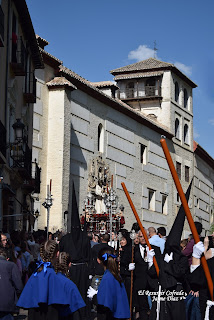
(198, 249)
(91, 292)
(90, 276)
(150, 254)
(131, 266)
(168, 257)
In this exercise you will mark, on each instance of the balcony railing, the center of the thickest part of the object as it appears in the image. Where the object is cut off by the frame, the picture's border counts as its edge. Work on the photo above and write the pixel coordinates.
(1, 27)
(146, 93)
(30, 88)
(22, 157)
(18, 61)
(150, 91)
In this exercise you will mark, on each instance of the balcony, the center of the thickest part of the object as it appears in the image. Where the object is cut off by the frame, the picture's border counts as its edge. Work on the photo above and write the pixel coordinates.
(22, 156)
(2, 143)
(1, 27)
(148, 93)
(30, 88)
(18, 60)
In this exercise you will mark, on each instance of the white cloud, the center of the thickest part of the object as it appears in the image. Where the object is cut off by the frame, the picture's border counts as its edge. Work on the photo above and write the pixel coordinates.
(211, 121)
(185, 69)
(195, 133)
(144, 52)
(141, 53)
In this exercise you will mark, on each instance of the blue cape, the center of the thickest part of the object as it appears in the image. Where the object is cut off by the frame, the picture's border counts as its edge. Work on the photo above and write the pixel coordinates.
(113, 296)
(50, 288)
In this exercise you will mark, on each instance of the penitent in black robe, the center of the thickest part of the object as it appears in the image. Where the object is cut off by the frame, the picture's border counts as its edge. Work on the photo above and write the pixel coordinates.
(198, 282)
(77, 244)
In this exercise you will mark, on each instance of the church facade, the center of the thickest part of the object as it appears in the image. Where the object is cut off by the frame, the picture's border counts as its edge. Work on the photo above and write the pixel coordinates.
(96, 135)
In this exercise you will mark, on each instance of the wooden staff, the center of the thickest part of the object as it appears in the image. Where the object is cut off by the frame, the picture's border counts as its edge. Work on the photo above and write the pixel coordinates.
(187, 212)
(132, 273)
(112, 182)
(119, 238)
(140, 225)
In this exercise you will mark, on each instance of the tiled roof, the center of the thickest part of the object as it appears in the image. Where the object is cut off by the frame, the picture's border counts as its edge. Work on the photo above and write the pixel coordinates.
(60, 81)
(50, 55)
(102, 84)
(118, 102)
(41, 41)
(138, 75)
(203, 154)
(150, 64)
(147, 64)
(195, 145)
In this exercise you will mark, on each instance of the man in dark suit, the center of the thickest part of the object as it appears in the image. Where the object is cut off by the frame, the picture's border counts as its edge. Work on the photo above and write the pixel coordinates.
(96, 269)
(10, 285)
(142, 282)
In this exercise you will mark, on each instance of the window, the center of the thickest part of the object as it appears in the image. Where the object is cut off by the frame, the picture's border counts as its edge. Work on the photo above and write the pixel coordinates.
(142, 154)
(186, 134)
(100, 138)
(150, 87)
(185, 98)
(14, 39)
(130, 90)
(186, 173)
(197, 203)
(176, 91)
(178, 169)
(178, 197)
(151, 200)
(164, 204)
(177, 128)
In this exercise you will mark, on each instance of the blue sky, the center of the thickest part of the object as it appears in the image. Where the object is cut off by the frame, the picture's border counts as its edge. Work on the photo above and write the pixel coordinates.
(94, 37)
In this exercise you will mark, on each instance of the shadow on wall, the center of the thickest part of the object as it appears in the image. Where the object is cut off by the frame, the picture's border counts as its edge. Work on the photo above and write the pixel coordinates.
(78, 166)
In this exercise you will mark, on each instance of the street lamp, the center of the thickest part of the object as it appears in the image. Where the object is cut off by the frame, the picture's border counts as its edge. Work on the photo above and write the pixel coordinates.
(18, 127)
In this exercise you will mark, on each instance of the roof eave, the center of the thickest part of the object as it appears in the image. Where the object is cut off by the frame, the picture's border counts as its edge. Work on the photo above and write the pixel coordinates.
(172, 68)
(28, 30)
(204, 155)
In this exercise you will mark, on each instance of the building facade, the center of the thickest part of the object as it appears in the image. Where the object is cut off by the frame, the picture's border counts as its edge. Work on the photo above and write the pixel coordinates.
(80, 126)
(19, 57)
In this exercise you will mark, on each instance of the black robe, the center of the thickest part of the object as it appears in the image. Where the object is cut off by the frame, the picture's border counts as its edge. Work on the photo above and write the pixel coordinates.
(77, 244)
(142, 283)
(198, 282)
(171, 279)
(125, 259)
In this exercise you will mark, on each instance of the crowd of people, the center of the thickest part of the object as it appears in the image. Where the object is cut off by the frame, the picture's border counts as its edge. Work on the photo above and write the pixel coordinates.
(82, 275)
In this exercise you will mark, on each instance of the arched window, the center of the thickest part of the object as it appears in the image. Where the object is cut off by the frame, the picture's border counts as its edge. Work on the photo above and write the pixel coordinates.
(130, 90)
(177, 128)
(100, 138)
(185, 98)
(186, 134)
(176, 91)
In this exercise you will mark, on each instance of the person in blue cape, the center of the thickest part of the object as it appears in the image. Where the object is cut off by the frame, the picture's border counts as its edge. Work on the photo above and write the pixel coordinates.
(112, 301)
(46, 293)
(62, 269)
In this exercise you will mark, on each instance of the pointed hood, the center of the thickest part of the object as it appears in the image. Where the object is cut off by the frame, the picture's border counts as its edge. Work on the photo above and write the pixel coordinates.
(173, 240)
(75, 220)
